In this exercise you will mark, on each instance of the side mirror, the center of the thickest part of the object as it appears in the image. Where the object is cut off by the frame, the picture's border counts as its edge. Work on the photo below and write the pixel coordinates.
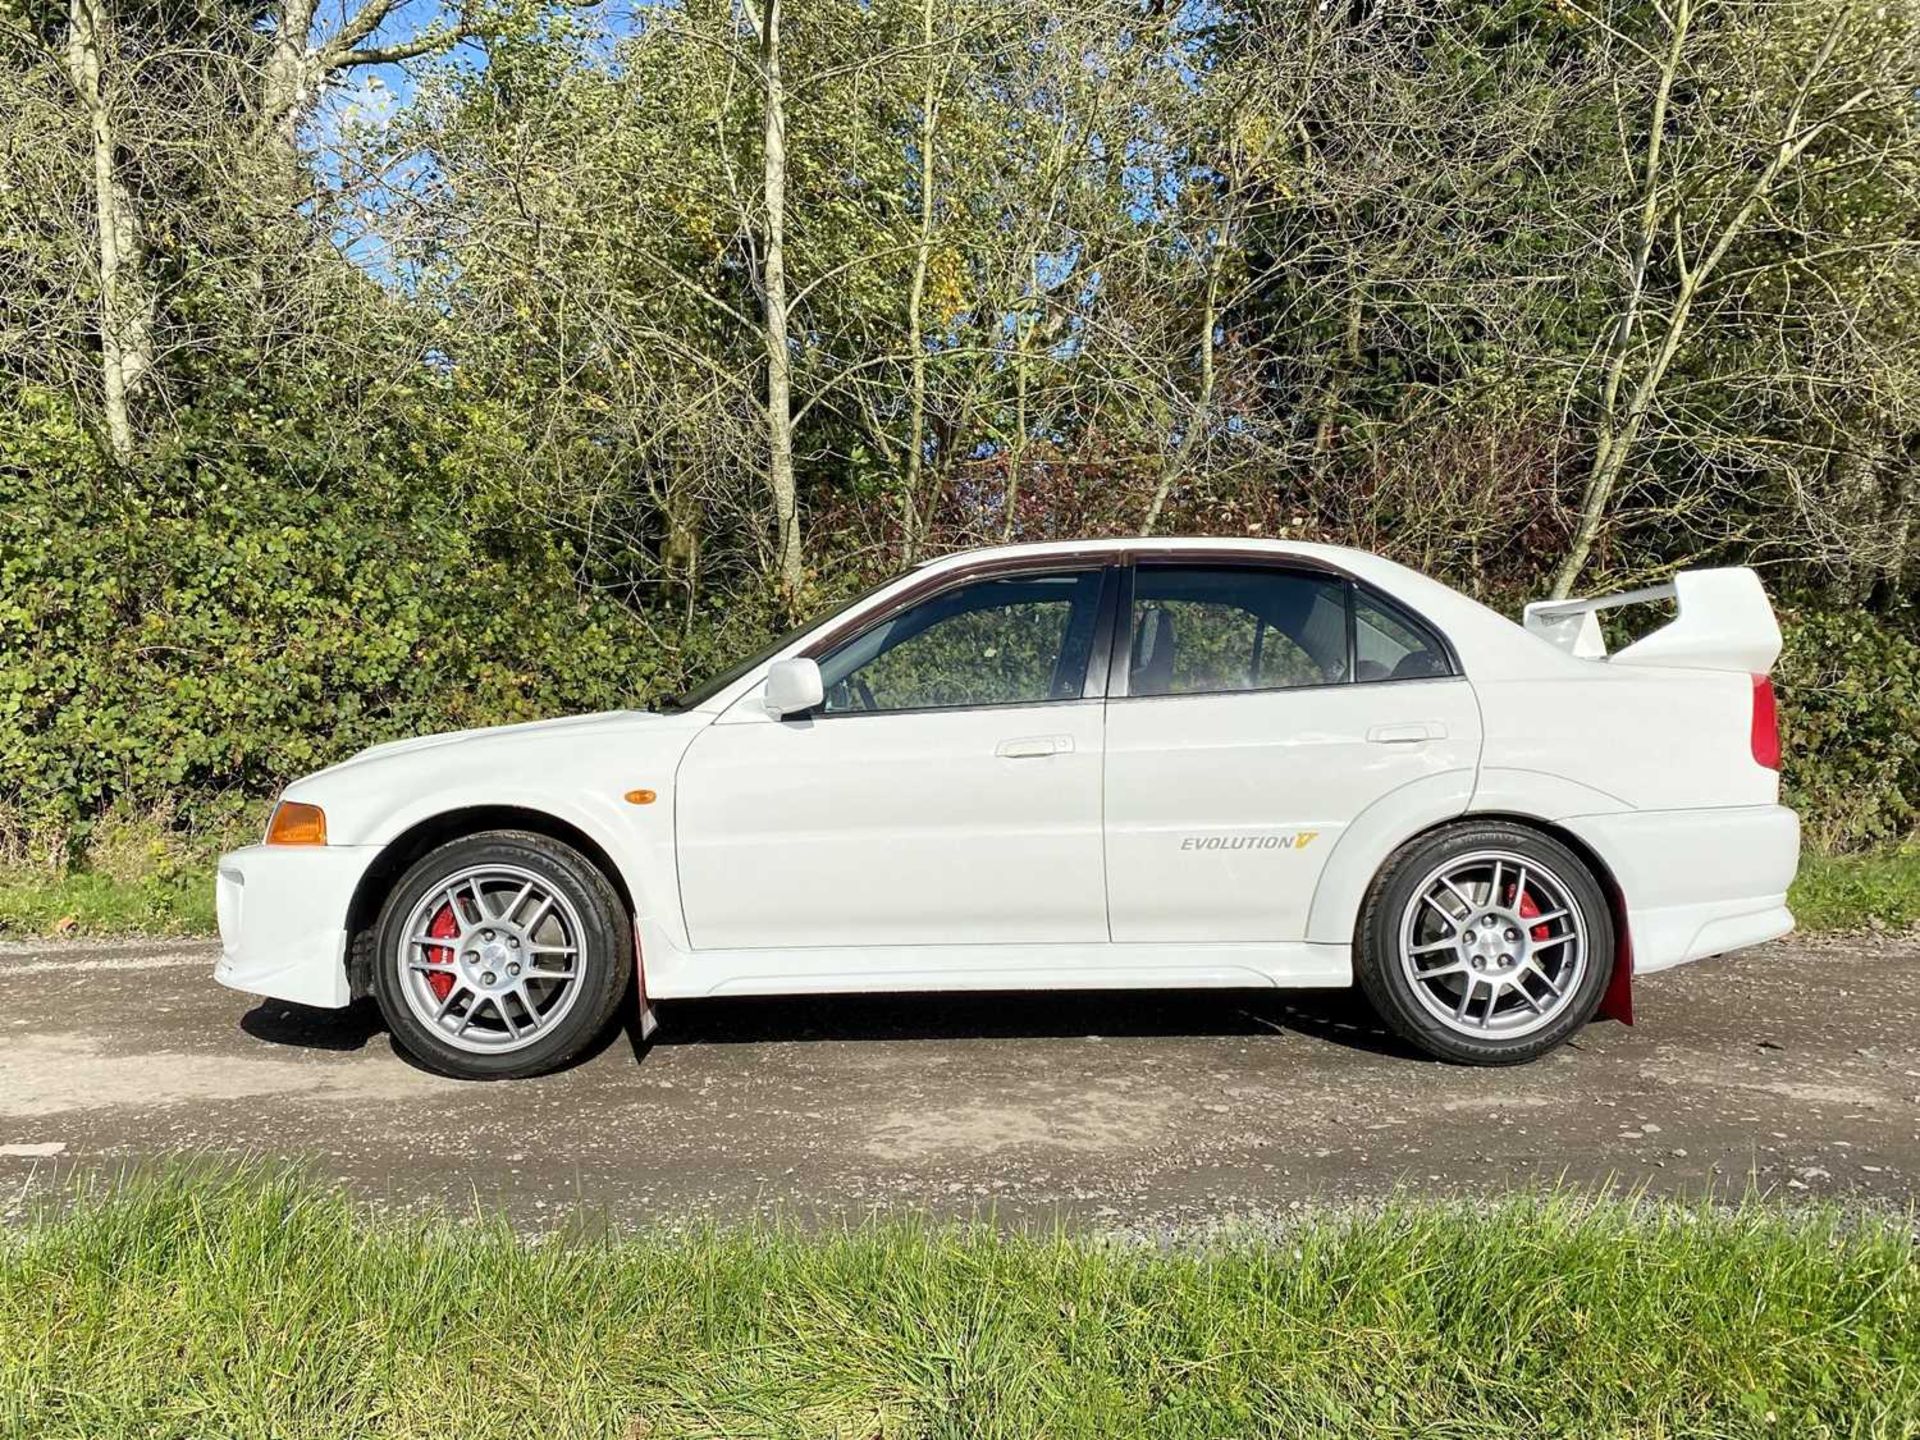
(793, 686)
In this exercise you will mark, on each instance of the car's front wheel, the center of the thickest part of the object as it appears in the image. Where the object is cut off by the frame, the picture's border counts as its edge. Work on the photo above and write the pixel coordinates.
(1485, 943)
(501, 955)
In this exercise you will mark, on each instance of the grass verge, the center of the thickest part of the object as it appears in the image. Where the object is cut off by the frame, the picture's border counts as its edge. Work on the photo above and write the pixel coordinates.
(254, 1304)
(174, 901)
(1847, 892)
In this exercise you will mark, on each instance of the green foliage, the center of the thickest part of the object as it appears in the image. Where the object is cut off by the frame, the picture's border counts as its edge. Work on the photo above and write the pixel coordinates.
(141, 873)
(1878, 890)
(202, 632)
(477, 432)
(1849, 687)
(252, 1304)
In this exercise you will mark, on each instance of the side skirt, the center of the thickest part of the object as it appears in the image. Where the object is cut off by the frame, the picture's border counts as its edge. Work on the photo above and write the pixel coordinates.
(676, 973)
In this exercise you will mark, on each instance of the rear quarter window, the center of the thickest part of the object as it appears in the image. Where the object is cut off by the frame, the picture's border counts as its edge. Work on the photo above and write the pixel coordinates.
(1390, 644)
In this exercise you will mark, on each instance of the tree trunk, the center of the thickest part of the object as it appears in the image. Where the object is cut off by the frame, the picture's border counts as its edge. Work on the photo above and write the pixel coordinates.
(1891, 587)
(126, 307)
(916, 299)
(1610, 446)
(680, 553)
(1177, 463)
(1017, 452)
(289, 73)
(789, 573)
(1343, 367)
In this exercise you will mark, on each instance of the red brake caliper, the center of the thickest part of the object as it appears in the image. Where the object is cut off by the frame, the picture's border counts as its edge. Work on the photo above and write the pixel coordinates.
(1527, 910)
(444, 927)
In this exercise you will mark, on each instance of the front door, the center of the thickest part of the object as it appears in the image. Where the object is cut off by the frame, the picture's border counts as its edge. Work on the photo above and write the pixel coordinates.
(947, 793)
(1264, 709)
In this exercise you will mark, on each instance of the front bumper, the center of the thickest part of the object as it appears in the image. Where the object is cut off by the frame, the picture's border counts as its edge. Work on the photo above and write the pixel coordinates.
(1698, 882)
(283, 920)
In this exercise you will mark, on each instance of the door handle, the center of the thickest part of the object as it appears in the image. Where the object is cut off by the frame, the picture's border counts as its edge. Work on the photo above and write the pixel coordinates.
(1029, 746)
(1410, 734)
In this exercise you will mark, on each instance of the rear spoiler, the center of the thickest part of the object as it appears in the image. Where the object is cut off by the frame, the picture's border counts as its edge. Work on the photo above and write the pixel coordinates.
(1724, 622)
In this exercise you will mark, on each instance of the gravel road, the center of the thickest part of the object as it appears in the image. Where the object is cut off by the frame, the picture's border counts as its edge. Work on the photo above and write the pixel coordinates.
(1795, 1066)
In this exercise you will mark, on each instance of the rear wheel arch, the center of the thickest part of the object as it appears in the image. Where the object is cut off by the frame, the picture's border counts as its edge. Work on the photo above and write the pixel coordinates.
(419, 839)
(1617, 1004)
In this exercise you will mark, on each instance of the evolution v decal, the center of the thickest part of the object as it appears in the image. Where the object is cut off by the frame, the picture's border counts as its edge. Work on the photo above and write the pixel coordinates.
(1299, 840)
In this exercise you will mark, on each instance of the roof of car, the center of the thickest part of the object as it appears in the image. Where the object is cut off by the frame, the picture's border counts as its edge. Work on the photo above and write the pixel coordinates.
(1489, 642)
(1156, 545)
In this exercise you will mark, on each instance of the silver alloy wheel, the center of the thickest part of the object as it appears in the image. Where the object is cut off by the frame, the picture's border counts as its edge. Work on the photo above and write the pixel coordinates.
(491, 959)
(1493, 944)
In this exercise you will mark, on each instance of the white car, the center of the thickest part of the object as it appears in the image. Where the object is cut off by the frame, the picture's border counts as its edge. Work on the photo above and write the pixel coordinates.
(1069, 766)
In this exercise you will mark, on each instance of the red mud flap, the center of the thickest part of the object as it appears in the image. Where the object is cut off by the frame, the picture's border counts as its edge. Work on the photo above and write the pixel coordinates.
(1617, 1003)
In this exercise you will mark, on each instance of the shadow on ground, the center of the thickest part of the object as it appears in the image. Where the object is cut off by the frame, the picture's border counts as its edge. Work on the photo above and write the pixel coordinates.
(281, 1022)
(1340, 1018)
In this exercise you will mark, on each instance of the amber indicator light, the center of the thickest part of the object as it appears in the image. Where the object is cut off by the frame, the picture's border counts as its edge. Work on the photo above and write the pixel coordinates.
(641, 797)
(297, 824)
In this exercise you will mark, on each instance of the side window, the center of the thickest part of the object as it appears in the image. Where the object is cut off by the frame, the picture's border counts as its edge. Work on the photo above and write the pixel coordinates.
(1389, 644)
(1199, 630)
(1010, 641)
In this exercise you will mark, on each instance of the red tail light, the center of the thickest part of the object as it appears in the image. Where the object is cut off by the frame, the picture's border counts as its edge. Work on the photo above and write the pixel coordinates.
(1766, 724)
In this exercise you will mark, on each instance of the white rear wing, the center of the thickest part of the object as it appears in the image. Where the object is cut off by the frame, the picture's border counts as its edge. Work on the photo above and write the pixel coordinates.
(1724, 622)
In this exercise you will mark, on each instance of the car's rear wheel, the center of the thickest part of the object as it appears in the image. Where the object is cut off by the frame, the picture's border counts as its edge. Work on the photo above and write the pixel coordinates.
(501, 955)
(1485, 943)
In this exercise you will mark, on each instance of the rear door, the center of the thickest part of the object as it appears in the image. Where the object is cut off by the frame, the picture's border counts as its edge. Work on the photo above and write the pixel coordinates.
(1254, 712)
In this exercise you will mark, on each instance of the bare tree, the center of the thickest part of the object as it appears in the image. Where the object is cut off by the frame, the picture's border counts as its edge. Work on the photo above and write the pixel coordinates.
(126, 312)
(925, 141)
(788, 564)
(1200, 415)
(300, 63)
(1700, 206)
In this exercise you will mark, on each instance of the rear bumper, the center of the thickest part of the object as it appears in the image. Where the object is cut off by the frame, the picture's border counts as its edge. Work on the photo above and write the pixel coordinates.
(283, 916)
(1698, 882)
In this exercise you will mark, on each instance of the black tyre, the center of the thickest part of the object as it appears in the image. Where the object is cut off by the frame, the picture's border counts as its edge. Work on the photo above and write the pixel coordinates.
(501, 955)
(1485, 943)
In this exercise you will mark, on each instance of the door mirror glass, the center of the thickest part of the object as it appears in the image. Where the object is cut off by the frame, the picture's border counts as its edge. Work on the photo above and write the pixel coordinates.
(793, 687)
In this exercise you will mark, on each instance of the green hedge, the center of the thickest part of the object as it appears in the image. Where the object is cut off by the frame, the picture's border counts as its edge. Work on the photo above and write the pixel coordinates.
(1849, 687)
(188, 639)
(193, 637)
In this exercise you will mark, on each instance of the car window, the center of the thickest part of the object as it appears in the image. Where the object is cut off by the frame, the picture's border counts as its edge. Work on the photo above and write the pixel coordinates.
(1010, 641)
(1198, 630)
(1389, 644)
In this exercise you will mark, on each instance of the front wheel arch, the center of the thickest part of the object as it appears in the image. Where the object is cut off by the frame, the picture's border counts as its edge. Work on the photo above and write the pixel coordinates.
(539, 981)
(400, 853)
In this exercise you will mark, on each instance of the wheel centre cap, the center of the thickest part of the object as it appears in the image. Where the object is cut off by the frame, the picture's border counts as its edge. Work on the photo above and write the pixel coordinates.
(1490, 941)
